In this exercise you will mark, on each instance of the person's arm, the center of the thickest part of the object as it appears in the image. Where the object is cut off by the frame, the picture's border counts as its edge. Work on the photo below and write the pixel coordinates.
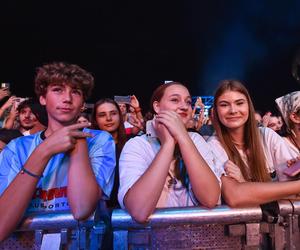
(7, 105)
(246, 194)
(136, 105)
(141, 199)
(4, 92)
(204, 183)
(83, 190)
(10, 120)
(138, 126)
(16, 197)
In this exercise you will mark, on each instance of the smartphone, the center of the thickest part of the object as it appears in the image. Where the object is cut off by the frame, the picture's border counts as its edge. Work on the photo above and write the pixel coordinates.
(122, 98)
(150, 131)
(293, 170)
(5, 85)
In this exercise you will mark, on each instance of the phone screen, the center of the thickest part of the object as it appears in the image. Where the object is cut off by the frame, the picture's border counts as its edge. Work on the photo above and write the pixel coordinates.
(5, 85)
(122, 99)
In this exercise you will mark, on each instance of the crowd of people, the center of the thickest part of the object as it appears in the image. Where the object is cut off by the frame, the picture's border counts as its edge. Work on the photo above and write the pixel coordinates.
(57, 156)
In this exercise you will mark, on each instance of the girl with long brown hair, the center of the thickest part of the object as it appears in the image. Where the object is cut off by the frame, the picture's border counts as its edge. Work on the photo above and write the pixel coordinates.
(249, 153)
(107, 116)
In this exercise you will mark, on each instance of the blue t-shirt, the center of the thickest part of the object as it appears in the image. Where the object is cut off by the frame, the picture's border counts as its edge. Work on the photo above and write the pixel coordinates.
(51, 190)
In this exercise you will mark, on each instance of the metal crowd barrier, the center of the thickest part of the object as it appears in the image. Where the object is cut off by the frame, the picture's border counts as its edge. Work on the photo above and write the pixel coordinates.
(274, 225)
(189, 228)
(57, 230)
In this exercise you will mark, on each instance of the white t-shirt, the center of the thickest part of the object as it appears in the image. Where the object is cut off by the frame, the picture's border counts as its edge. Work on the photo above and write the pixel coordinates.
(291, 145)
(276, 151)
(137, 155)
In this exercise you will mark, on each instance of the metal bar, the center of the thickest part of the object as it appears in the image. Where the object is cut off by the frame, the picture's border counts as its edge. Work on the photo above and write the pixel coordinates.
(191, 215)
(50, 221)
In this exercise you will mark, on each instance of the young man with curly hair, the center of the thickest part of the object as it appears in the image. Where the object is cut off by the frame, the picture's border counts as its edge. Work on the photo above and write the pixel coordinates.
(66, 166)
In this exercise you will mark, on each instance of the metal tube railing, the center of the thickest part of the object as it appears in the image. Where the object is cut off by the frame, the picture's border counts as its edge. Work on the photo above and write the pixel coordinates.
(198, 215)
(244, 225)
(50, 221)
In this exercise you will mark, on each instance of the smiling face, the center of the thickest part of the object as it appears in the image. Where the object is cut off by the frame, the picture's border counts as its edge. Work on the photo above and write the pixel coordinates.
(232, 109)
(107, 117)
(176, 98)
(63, 103)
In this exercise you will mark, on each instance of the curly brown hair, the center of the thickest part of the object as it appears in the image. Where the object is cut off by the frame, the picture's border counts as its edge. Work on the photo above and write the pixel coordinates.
(63, 73)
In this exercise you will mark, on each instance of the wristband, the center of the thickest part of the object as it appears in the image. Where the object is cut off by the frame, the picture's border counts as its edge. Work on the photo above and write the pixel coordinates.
(25, 171)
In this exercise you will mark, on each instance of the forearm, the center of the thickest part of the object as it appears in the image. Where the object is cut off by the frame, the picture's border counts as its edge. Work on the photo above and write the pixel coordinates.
(139, 115)
(203, 181)
(83, 189)
(15, 199)
(141, 199)
(2, 110)
(255, 193)
(9, 122)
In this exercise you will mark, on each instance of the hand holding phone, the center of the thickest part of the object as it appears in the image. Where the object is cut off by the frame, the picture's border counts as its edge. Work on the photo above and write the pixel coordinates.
(5, 85)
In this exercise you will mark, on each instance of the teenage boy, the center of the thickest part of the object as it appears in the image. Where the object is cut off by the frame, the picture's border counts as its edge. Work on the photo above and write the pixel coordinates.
(67, 166)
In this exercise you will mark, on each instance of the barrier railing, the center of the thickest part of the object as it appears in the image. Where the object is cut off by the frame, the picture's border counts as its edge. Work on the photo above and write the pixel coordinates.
(189, 228)
(57, 230)
(271, 226)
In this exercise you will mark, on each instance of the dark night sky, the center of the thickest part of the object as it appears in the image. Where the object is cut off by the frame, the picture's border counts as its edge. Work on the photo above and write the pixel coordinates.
(141, 44)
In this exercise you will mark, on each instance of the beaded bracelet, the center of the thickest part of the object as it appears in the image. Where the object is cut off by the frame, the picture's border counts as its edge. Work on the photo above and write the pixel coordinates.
(25, 171)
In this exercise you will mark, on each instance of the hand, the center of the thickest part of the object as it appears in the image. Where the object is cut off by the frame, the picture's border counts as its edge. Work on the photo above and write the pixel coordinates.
(201, 120)
(135, 122)
(266, 119)
(134, 102)
(173, 122)
(14, 109)
(4, 92)
(163, 133)
(65, 139)
(8, 103)
(198, 104)
(233, 171)
(292, 161)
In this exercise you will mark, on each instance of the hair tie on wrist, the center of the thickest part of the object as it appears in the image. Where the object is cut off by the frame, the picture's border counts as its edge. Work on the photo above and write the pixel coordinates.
(25, 171)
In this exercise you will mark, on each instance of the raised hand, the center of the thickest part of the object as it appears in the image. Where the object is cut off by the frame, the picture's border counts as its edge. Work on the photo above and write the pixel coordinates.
(233, 171)
(266, 119)
(8, 103)
(134, 102)
(4, 92)
(198, 104)
(135, 122)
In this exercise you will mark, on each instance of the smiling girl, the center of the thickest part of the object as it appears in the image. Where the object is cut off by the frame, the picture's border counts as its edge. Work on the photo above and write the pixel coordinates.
(170, 167)
(248, 153)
